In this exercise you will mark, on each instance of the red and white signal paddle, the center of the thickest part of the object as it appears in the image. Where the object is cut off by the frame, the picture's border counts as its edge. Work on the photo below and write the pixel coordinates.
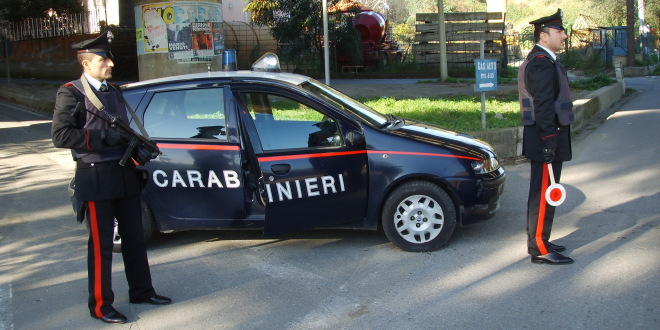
(555, 194)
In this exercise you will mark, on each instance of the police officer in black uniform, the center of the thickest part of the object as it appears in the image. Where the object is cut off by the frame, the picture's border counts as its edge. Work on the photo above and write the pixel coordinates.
(547, 112)
(108, 189)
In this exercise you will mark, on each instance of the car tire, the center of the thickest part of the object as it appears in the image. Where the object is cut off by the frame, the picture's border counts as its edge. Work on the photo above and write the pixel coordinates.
(419, 216)
(148, 226)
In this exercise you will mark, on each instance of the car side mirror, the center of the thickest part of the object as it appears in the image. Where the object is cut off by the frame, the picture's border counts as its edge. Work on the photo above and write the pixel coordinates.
(354, 138)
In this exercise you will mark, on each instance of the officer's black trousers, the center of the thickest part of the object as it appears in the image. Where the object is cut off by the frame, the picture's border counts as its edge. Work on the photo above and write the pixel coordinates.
(539, 213)
(101, 215)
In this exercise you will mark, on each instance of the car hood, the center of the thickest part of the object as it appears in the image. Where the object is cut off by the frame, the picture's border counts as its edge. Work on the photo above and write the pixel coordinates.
(439, 136)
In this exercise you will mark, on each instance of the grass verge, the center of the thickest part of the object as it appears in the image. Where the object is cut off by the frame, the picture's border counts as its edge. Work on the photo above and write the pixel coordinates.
(463, 113)
(460, 113)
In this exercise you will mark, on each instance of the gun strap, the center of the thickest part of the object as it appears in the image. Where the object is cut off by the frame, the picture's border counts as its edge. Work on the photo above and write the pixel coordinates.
(99, 105)
(90, 94)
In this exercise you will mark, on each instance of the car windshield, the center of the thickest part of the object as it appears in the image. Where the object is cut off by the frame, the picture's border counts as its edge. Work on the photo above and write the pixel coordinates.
(346, 103)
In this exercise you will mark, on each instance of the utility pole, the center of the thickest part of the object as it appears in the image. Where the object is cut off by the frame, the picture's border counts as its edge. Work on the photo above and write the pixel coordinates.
(630, 21)
(443, 41)
(326, 43)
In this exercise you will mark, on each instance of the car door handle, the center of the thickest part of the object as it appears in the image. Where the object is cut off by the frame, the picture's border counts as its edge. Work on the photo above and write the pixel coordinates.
(280, 169)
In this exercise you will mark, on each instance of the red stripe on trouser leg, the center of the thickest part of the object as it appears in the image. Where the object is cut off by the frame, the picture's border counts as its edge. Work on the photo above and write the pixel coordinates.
(540, 221)
(94, 230)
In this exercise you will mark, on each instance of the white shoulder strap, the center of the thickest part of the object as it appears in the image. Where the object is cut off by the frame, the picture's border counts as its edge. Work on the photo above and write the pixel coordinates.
(90, 94)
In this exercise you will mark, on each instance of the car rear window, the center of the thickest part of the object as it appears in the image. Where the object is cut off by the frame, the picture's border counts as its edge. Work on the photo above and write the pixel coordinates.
(190, 114)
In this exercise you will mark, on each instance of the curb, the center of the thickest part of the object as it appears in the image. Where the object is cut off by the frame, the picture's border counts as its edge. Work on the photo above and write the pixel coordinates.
(14, 93)
(507, 142)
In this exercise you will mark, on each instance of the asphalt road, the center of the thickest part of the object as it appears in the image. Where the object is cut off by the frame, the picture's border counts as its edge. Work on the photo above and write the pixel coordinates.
(356, 280)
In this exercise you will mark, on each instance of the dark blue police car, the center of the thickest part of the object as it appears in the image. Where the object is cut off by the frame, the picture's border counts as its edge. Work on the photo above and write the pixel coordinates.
(285, 153)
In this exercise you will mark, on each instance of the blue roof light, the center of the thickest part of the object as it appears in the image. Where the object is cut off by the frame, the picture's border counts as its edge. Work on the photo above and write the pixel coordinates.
(229, 60)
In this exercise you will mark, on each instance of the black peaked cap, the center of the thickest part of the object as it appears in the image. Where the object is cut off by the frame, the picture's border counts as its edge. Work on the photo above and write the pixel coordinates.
(553, 21)
(99, 45)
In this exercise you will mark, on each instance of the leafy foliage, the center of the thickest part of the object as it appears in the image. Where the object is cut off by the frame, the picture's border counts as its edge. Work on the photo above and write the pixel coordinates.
(593, 83)
(403, 32)
(17, 10)
(585, 59)
(262, 11)
(298, 26)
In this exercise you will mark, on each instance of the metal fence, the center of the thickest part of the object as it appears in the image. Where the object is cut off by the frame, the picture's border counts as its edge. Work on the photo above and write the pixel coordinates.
(54, 26)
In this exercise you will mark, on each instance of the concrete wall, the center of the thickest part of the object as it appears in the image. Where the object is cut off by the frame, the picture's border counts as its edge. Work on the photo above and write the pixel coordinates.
(639, 71)
(232, 10)
(54, 59)
(47, 58)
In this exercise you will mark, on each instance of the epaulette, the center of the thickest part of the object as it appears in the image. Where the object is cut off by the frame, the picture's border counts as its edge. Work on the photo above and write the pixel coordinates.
(67, 85)
(546, 56)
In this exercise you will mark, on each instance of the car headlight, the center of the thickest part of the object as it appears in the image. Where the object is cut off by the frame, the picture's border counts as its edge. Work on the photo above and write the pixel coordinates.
(485, 165)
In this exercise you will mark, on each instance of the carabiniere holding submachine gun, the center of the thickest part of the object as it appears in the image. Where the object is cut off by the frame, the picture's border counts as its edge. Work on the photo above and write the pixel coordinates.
(132, 138)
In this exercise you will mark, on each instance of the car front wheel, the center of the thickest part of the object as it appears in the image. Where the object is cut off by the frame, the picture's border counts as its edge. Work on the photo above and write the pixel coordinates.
(419, 216)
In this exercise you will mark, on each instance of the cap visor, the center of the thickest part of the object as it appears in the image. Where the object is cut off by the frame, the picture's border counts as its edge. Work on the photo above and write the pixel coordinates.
(99, 52)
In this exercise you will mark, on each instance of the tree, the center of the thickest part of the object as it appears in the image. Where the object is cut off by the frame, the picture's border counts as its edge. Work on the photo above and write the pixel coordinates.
(18, 10)
(262, 11)
(298, 26)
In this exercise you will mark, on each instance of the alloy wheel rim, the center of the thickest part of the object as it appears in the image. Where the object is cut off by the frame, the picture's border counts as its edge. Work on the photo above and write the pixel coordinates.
(419, 219)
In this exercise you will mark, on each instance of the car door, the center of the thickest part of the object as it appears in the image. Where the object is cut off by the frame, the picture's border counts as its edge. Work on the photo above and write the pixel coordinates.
(197, 182)
(310, 176)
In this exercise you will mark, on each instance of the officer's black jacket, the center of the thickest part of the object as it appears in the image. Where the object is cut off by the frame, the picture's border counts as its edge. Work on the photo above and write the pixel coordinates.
(97, 181)
(542, 82)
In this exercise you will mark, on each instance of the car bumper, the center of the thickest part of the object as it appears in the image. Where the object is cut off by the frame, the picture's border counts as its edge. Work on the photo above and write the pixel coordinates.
(489, 192)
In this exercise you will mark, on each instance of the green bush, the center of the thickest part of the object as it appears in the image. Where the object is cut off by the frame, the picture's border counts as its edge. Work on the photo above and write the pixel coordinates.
(584, 59)
(593, 83)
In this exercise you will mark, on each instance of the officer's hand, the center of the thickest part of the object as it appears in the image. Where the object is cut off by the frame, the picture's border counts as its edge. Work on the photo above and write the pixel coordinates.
(548, 155)
(111, 136)
(144, 155)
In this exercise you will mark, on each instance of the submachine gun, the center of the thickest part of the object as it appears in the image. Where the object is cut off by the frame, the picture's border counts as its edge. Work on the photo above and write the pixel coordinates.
(133, 139)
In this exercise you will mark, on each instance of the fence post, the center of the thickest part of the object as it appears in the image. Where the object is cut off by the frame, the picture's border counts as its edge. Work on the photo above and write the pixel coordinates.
(443, 41)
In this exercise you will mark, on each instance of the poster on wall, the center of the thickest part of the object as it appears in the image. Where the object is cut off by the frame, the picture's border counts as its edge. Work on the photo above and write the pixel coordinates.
(154, 26)
(189, 31)
(202, 38)
(218, 38)
(179, 40)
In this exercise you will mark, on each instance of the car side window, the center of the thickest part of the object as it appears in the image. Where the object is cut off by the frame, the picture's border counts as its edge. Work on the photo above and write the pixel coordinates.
(285, 123)
(191, 114)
